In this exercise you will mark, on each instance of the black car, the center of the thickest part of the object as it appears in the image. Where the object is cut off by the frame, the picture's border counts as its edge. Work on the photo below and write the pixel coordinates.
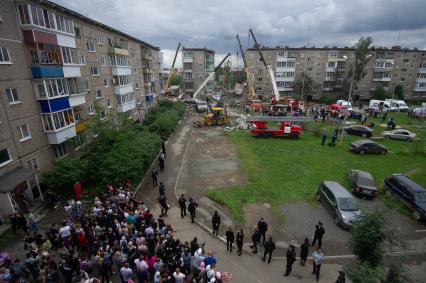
(359, 130)
(367, 146)
(341, 204)
(411, 193)
(362, 183)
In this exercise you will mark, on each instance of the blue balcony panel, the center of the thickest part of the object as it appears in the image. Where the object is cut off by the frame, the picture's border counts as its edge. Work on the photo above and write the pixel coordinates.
(54, 105)
(47, 71)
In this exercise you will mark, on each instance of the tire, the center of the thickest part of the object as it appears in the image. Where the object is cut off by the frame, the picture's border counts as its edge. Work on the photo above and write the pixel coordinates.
(364, 135)
(318, 196)
(416, 214)
(362, 152)
(387, 137)
(383, 152)
(295, 136)
(337, 220)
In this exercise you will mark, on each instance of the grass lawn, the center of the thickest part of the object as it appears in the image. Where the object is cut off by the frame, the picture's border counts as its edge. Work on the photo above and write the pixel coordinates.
(283, 170)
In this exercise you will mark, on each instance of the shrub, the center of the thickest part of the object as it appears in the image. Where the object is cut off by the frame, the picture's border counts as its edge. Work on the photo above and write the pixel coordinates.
(405, 150)
(65, 173)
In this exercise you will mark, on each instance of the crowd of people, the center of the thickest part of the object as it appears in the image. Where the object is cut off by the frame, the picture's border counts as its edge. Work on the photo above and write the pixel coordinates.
(117, 234)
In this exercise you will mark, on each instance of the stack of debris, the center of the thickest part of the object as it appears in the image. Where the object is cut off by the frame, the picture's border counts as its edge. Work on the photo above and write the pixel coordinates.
(238, 122)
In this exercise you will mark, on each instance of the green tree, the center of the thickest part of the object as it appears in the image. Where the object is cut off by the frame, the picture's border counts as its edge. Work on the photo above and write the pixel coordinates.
(399, 92)
(364, 273)
(380, 93)
(362, 56)
(176, 79)
(64, 174)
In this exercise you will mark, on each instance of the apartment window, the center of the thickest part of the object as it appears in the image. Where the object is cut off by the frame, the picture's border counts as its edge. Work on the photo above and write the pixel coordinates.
(90, 109)
(404, 70)
(395, 75)
(77, 32)
(24, 132)
(69, 55)
(91, 46)
(137, 85)
(60, 150)
(102, 114)
(24, 16)
(98, 94)
(135, 71)
(402, 79)
(406, 60)
(421, 75)
(82, 59)
(57, 120)
(187, 55)
(33, 163)
(95, 71)
(317, 75)
(122, 80)
(310, 69)
(79, 141)
(12, 95)
(4, 55)
(410, 75)
(119, 60)
(64, 24)
(259, 79)
(188, 75)
(106, 83)
(103, 63)
(110, 42)
(133, 54)
(99, 39)
(5, 157)
(187, 66)
(330, 74)
(109, 103)
(331, 64)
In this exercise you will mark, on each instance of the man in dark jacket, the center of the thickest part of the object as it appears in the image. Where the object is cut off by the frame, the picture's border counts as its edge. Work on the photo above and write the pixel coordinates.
(240, 241)
(229, 239)
(192, 207)
(269, 248)
(262, 226)
(154, 176)
(291, 258)
(182, 205)
(255, 239)
(215, 223)
(319, 233)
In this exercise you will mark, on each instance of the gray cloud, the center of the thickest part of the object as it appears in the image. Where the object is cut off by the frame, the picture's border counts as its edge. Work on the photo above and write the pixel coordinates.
(213, 24)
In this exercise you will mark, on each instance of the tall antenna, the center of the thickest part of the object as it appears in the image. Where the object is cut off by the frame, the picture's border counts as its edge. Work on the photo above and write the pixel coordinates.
(309, 31)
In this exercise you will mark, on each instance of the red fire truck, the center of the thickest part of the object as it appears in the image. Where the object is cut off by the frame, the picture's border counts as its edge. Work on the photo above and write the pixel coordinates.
(286, 126)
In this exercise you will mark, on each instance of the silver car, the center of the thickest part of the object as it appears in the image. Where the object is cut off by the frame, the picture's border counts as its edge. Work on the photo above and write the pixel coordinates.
(400, 134)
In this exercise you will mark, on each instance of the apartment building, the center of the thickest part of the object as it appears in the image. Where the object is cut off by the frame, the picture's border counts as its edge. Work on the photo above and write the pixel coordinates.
(328, 68)
(57, 68)
(198, 64)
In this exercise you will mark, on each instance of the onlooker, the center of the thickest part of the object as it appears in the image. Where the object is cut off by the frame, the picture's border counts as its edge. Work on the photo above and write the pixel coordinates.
(240, 241)
(255, 239)
(216, 223)
(78, 190)
(182, 205)
(304, 250)
(154, 176)
(342, 277)
(262, 226)
(317, 256)
(324, 138)
(161, 160)
(126, 273)
(229, 239)
(319, 233)
(269, 248)
(192, 207)
(291, 258)
(178, 276)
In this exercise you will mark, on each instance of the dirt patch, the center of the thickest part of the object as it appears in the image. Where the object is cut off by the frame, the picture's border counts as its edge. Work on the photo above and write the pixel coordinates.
(252, 215)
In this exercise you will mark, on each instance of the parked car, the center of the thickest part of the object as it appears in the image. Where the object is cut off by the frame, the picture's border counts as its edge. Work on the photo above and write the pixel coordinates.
(400, 134)
(411, 193)
(359, 130)
(362, 183)
(367, 146)
(340, 203)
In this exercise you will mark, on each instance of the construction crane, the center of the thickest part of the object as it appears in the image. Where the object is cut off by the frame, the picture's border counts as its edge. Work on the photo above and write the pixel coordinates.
(249, 75)
(269, 68)
(197, 92)
(171, 72)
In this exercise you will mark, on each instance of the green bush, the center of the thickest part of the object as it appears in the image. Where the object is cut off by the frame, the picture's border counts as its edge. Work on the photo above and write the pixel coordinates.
(65, 173)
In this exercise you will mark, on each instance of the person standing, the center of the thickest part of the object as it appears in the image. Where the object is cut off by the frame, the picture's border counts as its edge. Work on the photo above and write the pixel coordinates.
(161, 160)
(240, 242)
(262, 226)
(255, 239)
(154, 176)
(324, 138)
(269, 248)
(192, 207)
(163, 146)
(291, 258)
(229, 239)
(334, 138)
(216, 223)
(342, 277)
(126, 273)
(162, 189)
(182, 205)
(319, 233)
(78, 189)
(304, 250)
(317, 256)
(163, 205)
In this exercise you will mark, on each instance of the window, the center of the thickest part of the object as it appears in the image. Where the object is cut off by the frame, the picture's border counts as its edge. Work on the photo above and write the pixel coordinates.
(137, 85)
(91, 46)
(259, 79)
(33, 163)
(188, 75)
(82, 59)
(110, 42)
(330, 64)
(406, 60)
(5, 157)
(404, 70)
(109, 103)
(119, 60)
(77, 32)
(98, 94)
(60, 150)
(102, 114)
(57, 120)
(79, 141)
(99, 39)
(24, 16)
(24, 132)
(90, 108)
(122, 80)
(64, 24)
(103, 63)
(69, 55)
(95, 71)
(12, 95)
(317, 75)
(4, 55)
(106, 83)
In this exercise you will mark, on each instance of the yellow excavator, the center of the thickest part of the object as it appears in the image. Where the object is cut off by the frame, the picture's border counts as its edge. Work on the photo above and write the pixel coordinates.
(216, 117)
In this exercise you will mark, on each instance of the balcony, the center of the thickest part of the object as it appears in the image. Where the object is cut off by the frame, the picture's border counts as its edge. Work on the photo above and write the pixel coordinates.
(71, 71)
(35, 36)
(121, 70)
(77, 99)
(61, 135)
(383, 79)
(54, 105)
(126, 106)
(123, 89)
(209, 59)
(187, 60)
(118, 51)
(147, 56)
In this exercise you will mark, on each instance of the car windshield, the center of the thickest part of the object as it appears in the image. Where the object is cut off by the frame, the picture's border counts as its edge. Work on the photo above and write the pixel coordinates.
(365, 181)
(348, 204)
(420, 196)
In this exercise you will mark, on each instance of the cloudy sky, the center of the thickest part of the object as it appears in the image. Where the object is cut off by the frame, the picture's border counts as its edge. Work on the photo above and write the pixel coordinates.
(214, 23)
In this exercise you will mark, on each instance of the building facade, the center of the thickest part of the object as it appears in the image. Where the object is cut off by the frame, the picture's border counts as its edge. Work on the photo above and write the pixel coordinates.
(328, 68)
(198, 64)
(57, 69)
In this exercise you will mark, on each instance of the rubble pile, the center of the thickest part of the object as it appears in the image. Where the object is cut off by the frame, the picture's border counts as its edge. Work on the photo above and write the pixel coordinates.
(238, 121)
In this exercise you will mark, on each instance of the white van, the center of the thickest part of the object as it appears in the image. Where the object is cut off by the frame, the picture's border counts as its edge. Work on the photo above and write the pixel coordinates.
(379, 105)
(398, 105)
(345, 104)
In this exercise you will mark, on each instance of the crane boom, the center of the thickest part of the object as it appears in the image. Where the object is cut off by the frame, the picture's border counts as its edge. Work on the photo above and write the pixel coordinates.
(268, 67)
(209, 78)
(242, 51)
(250, 79)
(166, 87)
